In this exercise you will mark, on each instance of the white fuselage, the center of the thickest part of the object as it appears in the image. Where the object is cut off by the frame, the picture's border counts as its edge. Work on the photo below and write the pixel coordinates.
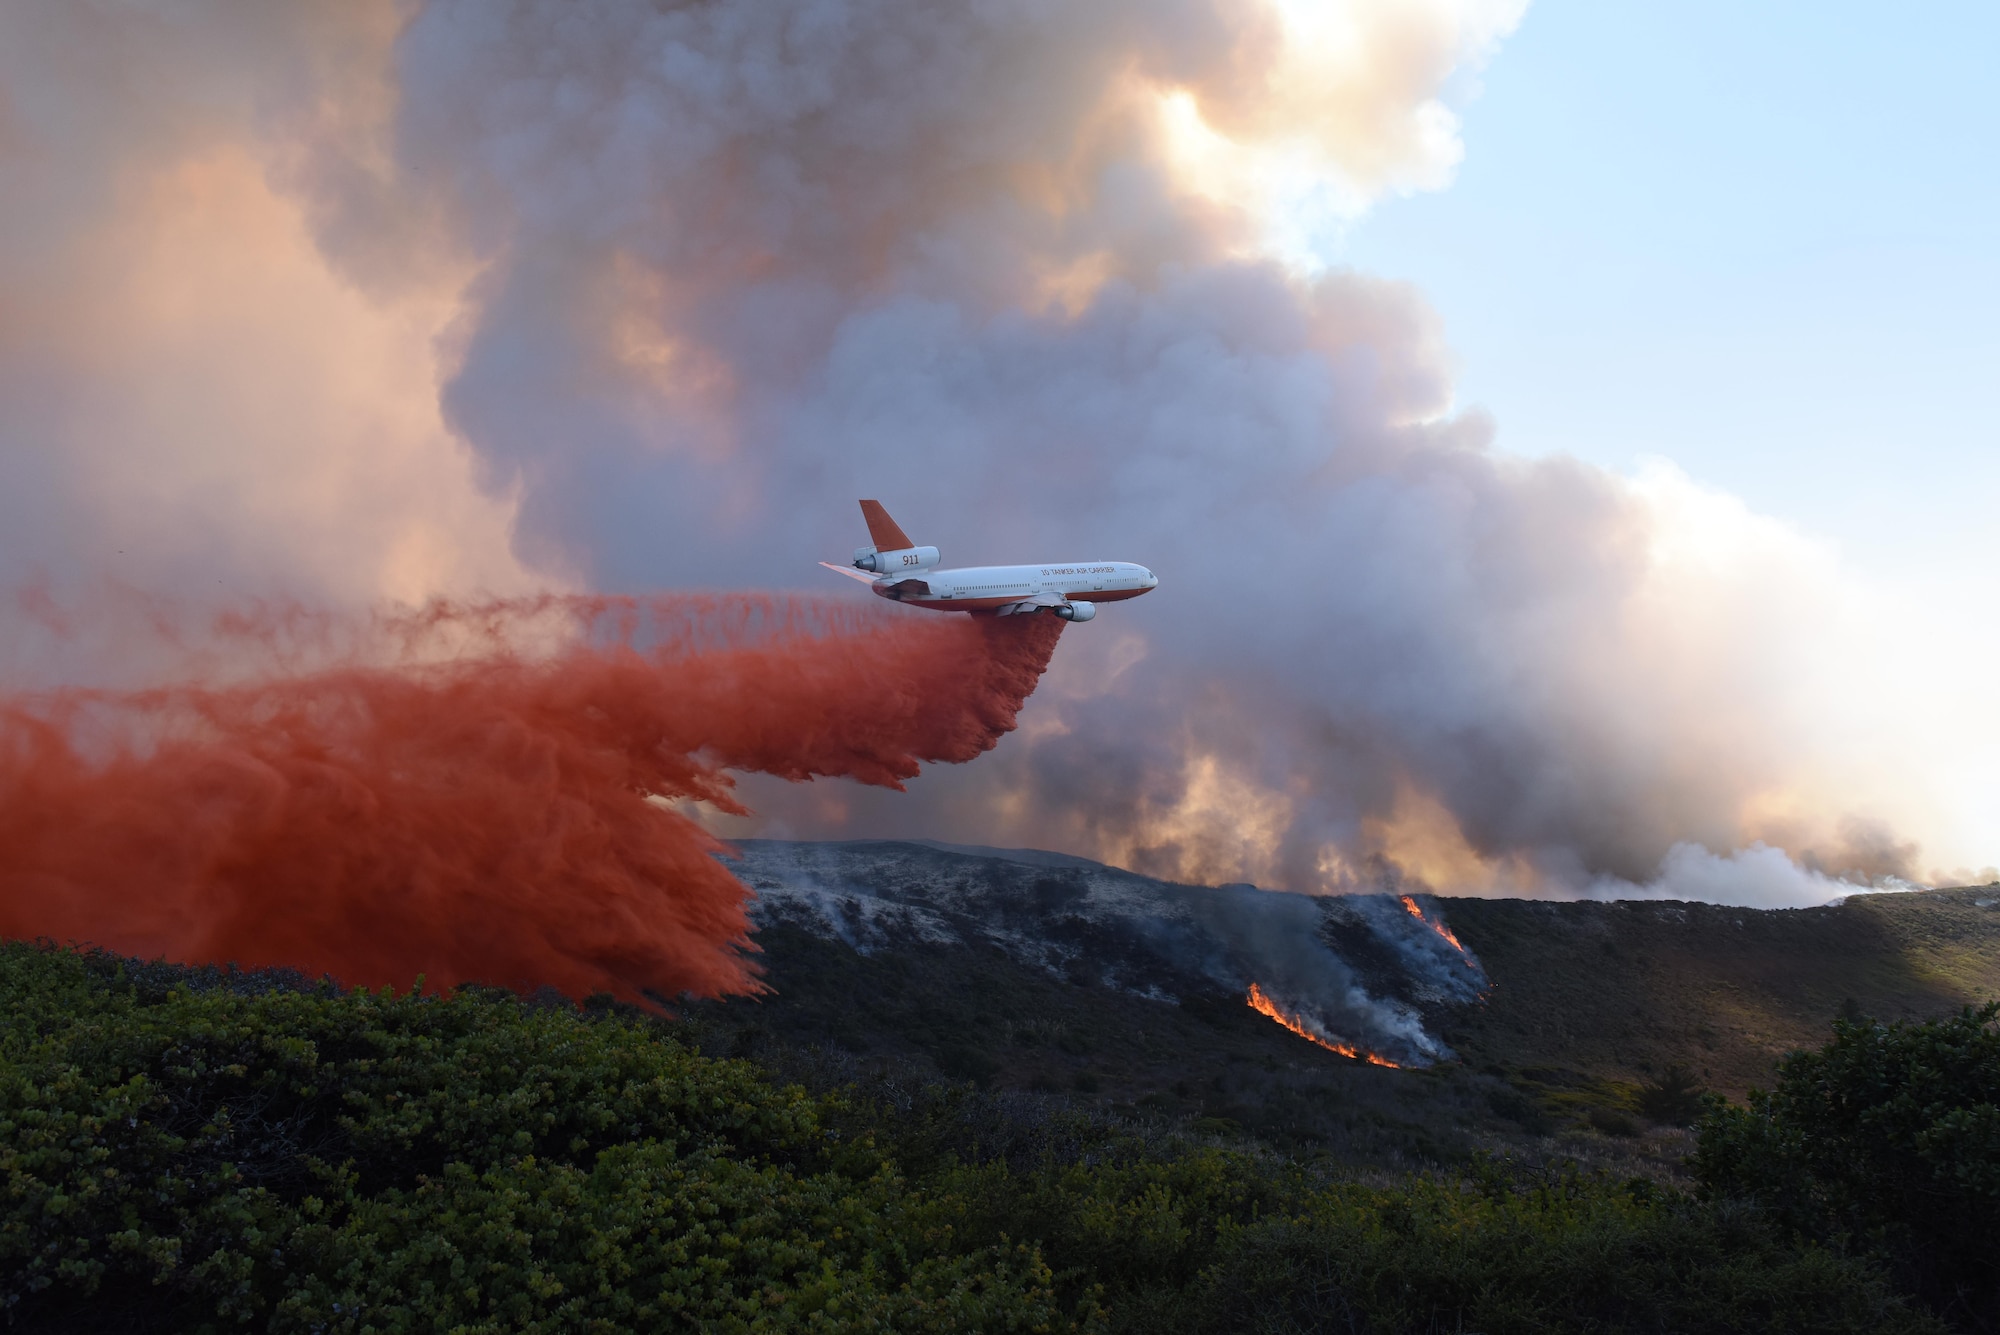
(991, 588)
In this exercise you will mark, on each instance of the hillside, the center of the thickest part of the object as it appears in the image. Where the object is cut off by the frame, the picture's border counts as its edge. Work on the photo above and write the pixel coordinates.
(1625, 989)
(1122, 1144)
(1054, 976)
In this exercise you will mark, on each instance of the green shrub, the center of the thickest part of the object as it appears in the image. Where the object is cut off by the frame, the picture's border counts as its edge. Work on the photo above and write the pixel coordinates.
(1435, 1256)
(647, 1240)
(1215, 1241)
(368, 1162)
(1675, 1099)
(1888, 1138)
(1611, 1122)
(207, 1150)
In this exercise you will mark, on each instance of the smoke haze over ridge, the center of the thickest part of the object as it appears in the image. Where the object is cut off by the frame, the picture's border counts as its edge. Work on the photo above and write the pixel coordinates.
(364, 301)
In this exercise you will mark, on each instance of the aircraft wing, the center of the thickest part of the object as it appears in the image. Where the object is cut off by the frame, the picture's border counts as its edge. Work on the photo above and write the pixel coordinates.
(849, 571)
(1033, 604)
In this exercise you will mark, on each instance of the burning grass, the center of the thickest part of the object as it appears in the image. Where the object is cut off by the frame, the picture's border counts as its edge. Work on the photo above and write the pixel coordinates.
(1211, 1066)
(1302, 1025)
(1450, 938)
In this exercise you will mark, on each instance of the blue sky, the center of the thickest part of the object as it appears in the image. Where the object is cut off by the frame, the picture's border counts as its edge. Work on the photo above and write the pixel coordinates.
(1756, 240)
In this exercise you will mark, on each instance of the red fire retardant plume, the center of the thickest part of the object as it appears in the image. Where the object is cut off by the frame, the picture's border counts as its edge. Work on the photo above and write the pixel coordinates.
(488, 816)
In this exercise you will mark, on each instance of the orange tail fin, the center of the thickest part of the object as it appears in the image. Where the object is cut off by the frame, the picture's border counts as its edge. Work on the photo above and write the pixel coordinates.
(883, 531)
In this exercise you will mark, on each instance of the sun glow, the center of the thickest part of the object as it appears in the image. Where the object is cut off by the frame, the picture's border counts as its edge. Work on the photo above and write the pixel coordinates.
(1338, 119)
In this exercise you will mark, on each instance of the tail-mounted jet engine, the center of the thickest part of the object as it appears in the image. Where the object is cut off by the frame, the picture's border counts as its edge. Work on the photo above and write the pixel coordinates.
(1076, 611)
(888, 563)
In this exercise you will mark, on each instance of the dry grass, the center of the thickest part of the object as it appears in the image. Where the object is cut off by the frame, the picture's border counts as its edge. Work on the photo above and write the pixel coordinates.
(1615, 993)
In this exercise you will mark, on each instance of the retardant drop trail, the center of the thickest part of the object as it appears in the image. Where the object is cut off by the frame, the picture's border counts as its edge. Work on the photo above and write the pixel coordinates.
(489, 816)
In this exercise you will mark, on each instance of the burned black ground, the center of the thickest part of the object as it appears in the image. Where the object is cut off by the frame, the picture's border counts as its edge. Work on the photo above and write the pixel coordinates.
(1599, 1027)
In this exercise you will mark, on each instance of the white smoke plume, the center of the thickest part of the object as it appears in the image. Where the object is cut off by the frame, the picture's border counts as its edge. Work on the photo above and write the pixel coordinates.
(376, 300)
(192, 399)
(1758, 877)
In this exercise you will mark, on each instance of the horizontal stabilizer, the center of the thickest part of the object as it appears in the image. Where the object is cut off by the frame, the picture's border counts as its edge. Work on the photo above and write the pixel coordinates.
(848, 571)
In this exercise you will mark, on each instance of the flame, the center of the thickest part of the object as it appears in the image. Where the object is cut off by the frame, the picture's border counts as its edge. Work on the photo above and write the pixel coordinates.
(1263, 1005)
(1442, 930)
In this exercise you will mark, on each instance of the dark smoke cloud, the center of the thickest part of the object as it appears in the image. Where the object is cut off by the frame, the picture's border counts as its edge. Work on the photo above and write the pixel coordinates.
(726, 266)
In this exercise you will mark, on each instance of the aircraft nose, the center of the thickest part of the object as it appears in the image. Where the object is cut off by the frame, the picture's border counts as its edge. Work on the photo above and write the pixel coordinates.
(1152, 580)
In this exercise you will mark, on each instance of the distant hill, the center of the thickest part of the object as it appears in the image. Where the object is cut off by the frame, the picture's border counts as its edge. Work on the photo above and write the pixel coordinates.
(1625, 989)
(1053, 975)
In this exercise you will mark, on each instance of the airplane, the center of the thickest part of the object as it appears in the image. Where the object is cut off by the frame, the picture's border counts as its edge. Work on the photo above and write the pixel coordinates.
(899, 570)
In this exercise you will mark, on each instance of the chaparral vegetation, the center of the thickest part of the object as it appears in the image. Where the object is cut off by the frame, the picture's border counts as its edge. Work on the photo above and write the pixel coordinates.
(211, 1150)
